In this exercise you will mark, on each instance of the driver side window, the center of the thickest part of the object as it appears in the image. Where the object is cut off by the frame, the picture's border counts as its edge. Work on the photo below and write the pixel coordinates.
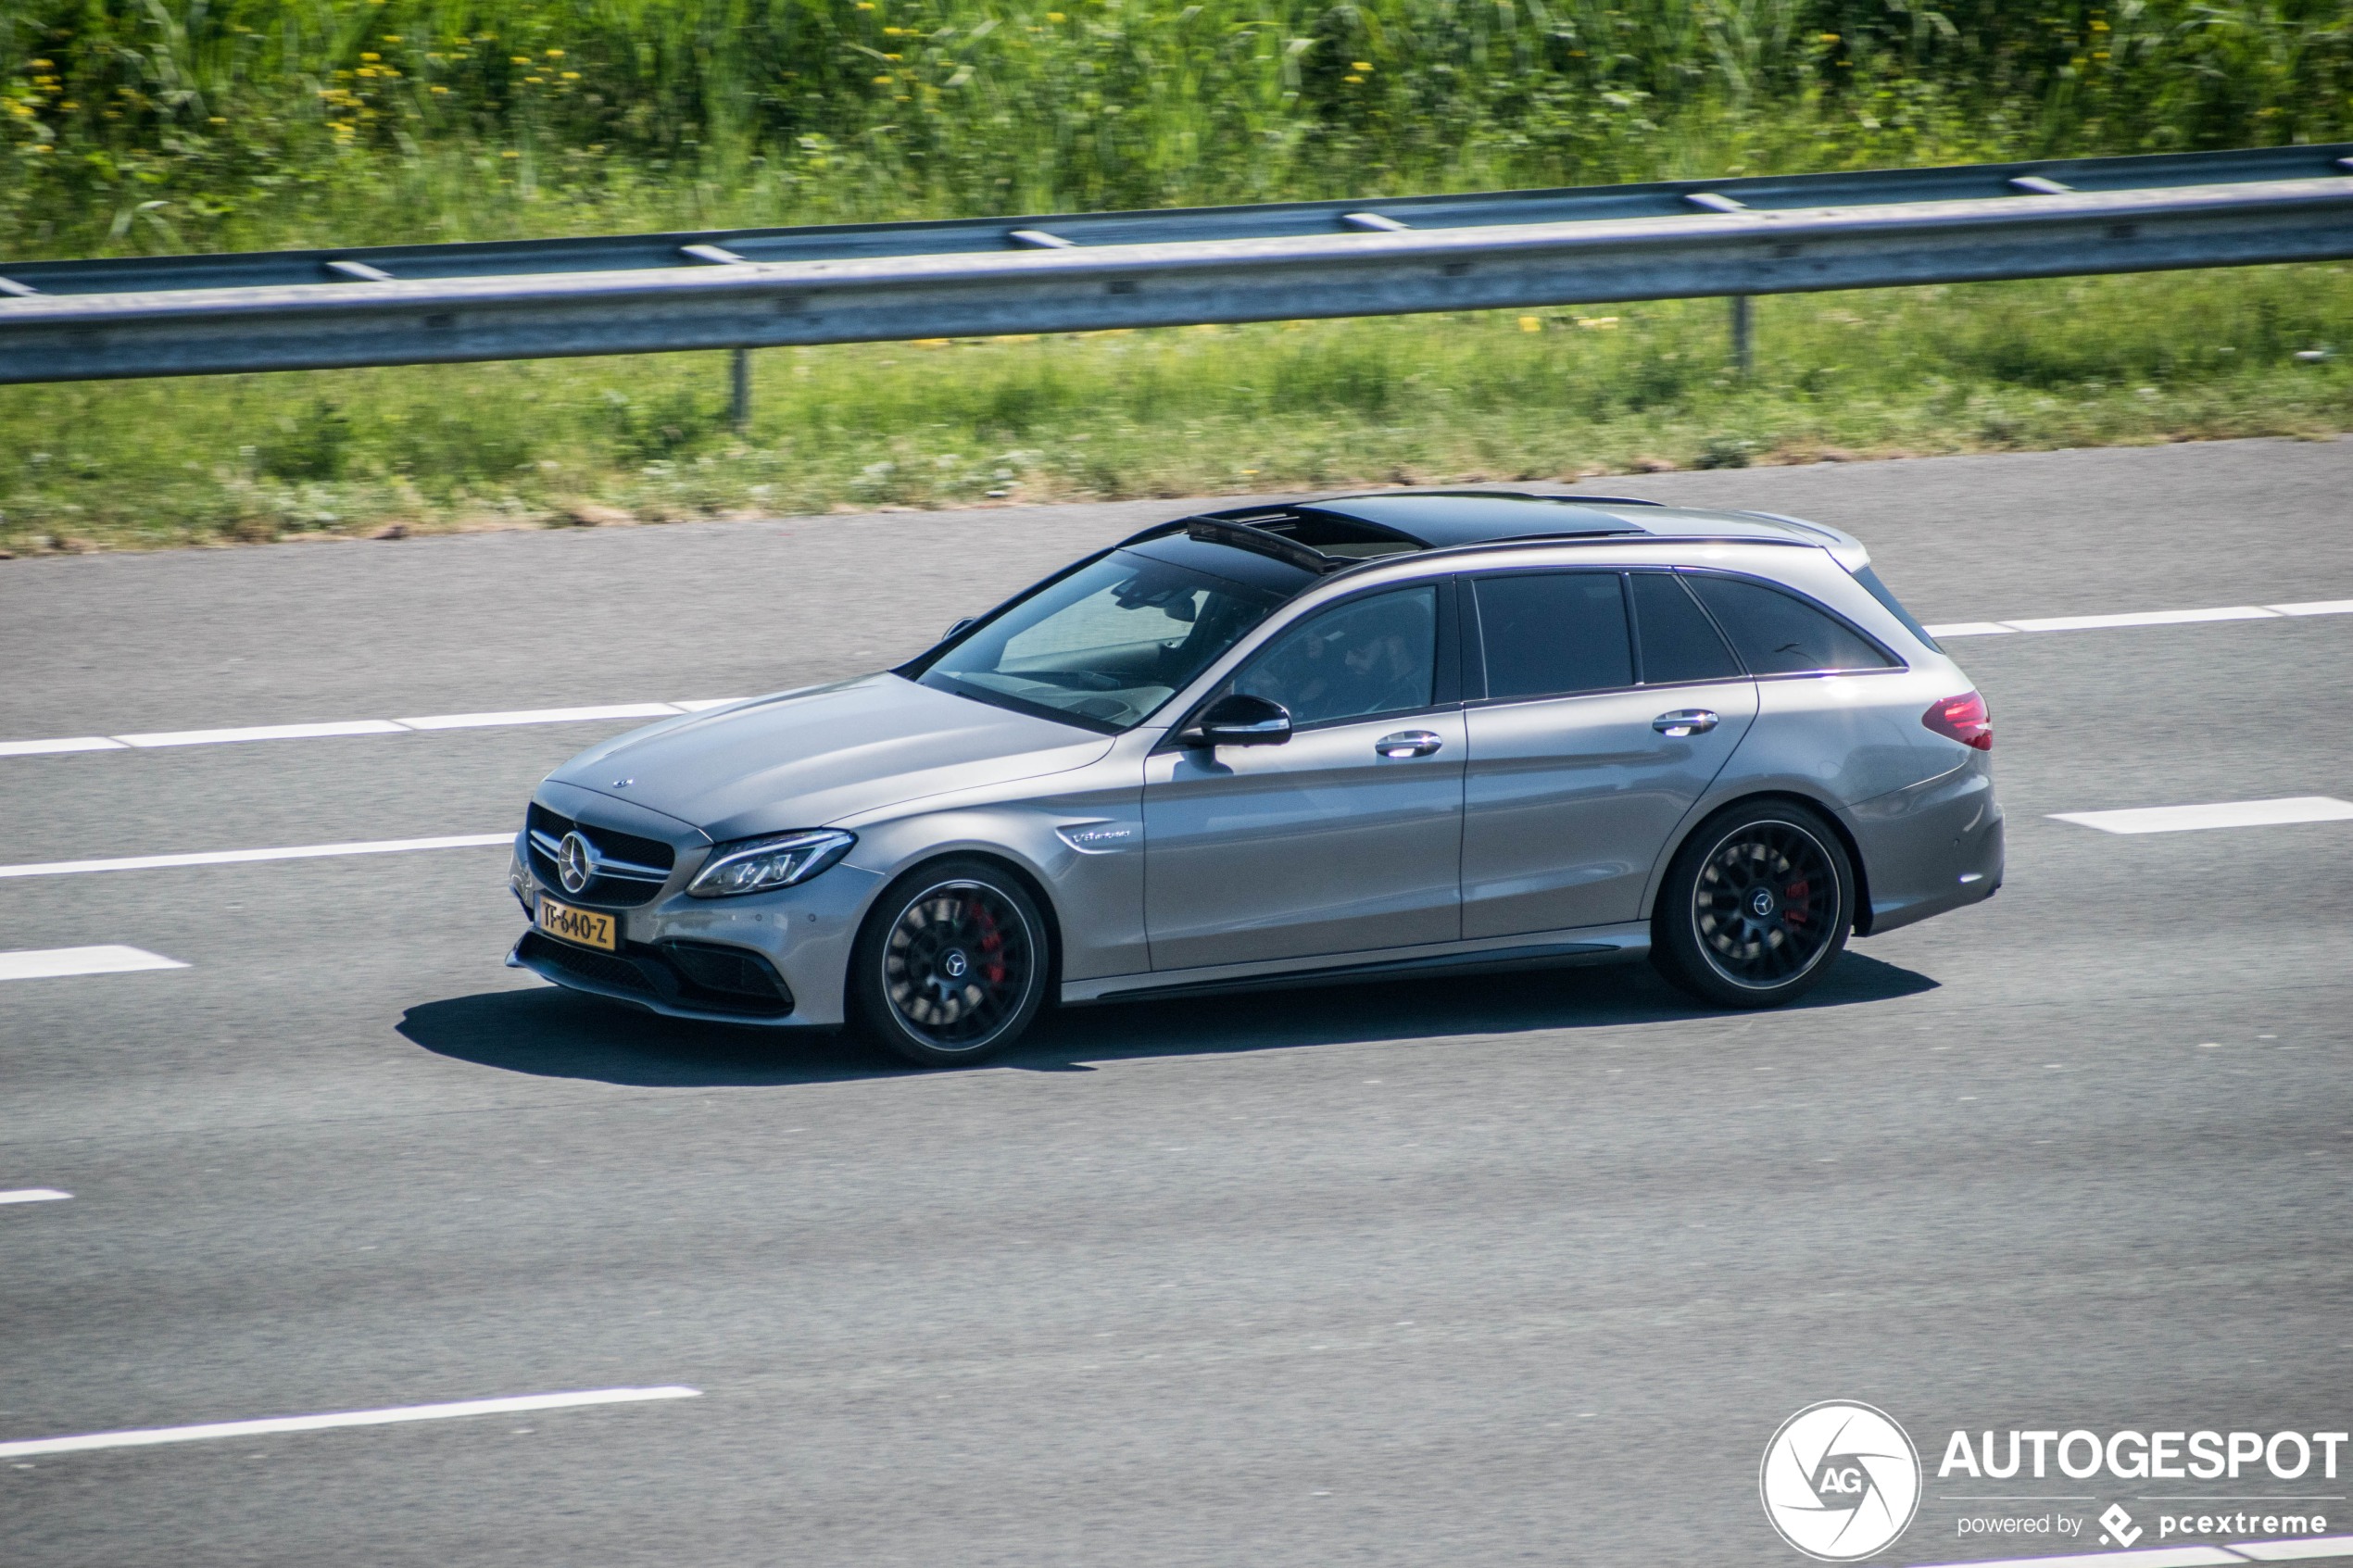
(1370, 656)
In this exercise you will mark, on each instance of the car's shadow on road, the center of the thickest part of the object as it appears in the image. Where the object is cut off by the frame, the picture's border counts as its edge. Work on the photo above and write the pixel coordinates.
(549, 1033)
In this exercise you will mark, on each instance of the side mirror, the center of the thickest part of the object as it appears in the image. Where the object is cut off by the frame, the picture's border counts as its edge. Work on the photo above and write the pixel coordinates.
(1238, 719)
(958, 630)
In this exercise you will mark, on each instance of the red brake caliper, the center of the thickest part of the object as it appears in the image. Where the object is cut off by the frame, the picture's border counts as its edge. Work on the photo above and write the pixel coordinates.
(989, 942)
(1791, 898)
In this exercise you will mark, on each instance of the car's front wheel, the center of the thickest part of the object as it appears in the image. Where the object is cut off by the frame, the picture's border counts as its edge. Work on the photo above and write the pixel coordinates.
(951, 964)
(1756, 908)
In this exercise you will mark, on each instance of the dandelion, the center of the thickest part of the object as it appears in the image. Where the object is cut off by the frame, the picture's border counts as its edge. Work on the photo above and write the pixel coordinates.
(1531, 324)
(370, 58)
(439, 92)
(216, 120)
(1056, 17)
(44, 65)
(572, 76)
(1830, 38)
(535, 82)
(1360, 65)
(1356, 81)
(555, 53)
(392, 38)
(510, 152)
(518, 59)
(885, 81)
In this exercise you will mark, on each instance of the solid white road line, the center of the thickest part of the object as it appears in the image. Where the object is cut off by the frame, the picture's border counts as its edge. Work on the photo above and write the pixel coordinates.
(2295, 1551)
(264, 732)
(2144, 618)
(2147, 618)
(543, 716)
(341, 1418)
(47, 963)
(665, 709)
(77, 743)
(33, 1195)
(366, 727)
(2221, 814)
(234, 856)
(2148, 1557)
(2196, 1556)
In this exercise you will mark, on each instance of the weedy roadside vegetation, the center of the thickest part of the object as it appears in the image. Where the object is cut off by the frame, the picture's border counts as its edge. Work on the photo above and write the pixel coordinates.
(176, 125)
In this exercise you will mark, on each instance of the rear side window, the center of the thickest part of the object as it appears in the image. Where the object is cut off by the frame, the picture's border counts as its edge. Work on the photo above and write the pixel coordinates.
(1549, 632)
(1880, 591)
(1778, 633)
(1679, 642)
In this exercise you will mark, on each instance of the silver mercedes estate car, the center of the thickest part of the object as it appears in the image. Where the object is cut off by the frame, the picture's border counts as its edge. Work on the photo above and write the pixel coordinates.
(1374, 736)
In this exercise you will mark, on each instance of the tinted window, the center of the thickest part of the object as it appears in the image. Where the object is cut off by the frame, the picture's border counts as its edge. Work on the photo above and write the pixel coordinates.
(1779, 635)
(1553, 631)
(1106, 644)
(1679, 642)
(1880, 591)
(1370, 656)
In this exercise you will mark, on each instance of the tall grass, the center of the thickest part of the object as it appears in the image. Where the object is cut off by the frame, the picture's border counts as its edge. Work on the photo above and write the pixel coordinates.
(194, 124)
(178, 125)
(1178, 412)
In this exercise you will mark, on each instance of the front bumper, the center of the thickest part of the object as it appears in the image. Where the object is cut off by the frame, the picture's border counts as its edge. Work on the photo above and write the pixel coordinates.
(769, 960)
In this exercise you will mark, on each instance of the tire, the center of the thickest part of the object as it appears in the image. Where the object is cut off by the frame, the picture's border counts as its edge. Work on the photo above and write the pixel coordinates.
(951, 964)
(1756, 908)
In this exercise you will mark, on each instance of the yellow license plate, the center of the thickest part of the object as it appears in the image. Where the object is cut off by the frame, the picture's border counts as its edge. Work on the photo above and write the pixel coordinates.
(584, 926)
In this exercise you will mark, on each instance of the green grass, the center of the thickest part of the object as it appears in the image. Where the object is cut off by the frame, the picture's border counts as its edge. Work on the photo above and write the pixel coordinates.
(172, 125)
(1178, 412)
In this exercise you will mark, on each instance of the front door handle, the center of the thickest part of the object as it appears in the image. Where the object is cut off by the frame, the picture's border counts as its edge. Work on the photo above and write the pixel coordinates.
(1408, 742)
(1685, 722)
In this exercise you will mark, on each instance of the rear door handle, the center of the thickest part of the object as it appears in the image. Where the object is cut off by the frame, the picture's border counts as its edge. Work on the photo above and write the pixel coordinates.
(1408, 742)
(1685, 722)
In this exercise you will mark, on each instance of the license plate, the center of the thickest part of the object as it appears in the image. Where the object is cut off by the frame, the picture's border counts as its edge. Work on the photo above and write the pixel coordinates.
(586, 927)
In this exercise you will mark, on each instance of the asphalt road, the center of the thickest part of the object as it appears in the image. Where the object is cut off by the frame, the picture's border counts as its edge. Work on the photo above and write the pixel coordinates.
(1521, 1270)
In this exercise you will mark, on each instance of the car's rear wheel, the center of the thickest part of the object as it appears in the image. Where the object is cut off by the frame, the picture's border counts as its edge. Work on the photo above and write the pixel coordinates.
(951, 964)
(1756, 908)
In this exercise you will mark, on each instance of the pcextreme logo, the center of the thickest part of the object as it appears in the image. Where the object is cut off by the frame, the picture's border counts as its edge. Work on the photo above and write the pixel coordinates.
(1840, 1481)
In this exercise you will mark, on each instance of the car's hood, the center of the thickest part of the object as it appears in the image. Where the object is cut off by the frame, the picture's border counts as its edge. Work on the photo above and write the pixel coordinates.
(803, 758)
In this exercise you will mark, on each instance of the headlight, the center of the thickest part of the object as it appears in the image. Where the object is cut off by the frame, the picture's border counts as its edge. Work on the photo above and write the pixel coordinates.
(760, 865)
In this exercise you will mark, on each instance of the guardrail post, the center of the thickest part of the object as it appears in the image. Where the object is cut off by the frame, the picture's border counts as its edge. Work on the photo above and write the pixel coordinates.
(739, 403)
(1743, 336)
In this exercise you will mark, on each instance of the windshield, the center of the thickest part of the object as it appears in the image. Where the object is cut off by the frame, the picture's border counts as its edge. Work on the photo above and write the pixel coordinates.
(1107, 644)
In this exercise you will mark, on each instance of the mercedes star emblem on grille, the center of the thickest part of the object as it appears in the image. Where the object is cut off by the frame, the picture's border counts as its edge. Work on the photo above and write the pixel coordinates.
(576, 862)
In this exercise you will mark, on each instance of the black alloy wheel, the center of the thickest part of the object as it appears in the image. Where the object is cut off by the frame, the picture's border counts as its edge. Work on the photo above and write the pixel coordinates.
(1756, 908)
(952, 964)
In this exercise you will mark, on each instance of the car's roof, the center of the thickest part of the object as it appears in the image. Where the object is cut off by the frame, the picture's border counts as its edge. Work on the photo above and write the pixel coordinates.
(1342, 530)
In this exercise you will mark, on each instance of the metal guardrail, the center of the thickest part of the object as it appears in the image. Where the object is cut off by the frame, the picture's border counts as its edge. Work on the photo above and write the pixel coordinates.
(307, 310)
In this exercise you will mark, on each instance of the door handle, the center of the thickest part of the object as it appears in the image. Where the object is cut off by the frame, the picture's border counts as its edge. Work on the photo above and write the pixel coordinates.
(1685, 722)
(1408, 742)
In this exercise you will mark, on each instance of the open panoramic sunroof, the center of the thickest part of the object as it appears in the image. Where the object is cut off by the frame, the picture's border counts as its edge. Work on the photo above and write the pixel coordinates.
(1325, 535)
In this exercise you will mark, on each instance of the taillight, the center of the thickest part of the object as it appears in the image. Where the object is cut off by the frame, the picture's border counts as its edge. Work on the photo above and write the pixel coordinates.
(1963, 719)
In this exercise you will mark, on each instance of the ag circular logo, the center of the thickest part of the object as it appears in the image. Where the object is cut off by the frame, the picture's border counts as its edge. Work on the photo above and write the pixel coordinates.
(1840, 1481)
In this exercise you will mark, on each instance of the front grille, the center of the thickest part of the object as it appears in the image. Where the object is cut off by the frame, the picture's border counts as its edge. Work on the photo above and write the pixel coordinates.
(602, 969)
(614, 889)
(703, 978)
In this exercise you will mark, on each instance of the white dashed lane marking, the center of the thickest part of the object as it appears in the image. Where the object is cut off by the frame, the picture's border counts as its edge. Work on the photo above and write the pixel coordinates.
(341, 1418)
(46, 963)
(34, 1195)
(2220, 814)
(236, 857)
